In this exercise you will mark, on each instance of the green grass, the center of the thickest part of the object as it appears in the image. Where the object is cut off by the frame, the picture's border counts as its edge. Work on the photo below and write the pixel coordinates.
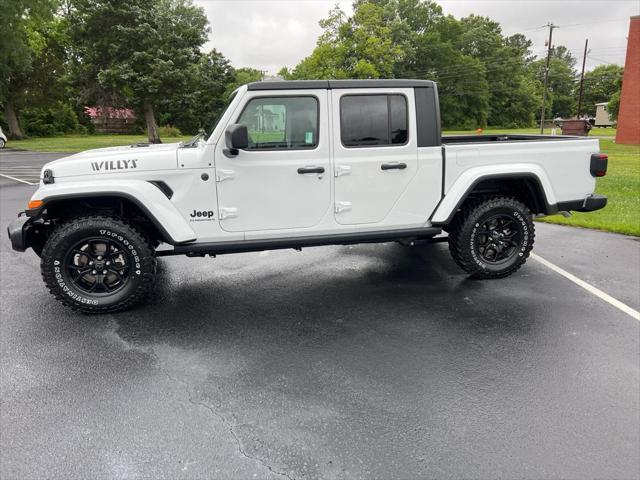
(78, 143)
(622, 186)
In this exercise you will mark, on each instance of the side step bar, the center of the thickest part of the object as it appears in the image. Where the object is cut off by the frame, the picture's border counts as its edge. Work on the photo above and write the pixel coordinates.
(219, 248)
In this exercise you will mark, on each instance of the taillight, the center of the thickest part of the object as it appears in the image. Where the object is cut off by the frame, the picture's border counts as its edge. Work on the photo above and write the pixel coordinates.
(599, 163)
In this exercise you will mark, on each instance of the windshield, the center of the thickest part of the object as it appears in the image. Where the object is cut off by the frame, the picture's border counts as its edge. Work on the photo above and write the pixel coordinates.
(221, 113)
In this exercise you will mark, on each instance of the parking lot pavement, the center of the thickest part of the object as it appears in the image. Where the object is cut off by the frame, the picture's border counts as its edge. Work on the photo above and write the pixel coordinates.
(336, 362)
(22, 166)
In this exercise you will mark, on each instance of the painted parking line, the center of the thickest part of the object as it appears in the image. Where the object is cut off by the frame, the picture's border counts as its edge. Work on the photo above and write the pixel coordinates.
(589, 288)
(17, 179)
(27, 174)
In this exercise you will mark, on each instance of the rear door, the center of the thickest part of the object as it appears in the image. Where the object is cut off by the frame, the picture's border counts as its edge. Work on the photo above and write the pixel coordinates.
(375, 152)
(282, 180)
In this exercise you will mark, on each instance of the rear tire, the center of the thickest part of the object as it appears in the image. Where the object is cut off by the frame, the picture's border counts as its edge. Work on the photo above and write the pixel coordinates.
(98, 264)
(492, 238)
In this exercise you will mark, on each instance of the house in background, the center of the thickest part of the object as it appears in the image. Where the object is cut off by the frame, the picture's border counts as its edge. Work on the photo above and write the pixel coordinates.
(602, 115)
(112, 120)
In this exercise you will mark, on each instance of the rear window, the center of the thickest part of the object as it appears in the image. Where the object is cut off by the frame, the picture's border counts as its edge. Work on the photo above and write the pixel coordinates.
(373, 120)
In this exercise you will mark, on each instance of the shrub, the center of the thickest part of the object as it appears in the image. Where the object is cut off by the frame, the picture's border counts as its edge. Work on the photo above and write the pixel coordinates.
(169, 131)
(47, 122)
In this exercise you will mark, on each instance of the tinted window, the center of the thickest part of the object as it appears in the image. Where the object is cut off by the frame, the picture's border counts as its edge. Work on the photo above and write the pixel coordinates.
(369, 120)
(398, 115)
(281, 122)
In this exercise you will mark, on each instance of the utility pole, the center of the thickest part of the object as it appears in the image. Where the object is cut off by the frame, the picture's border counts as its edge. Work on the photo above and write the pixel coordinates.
(546, 76)
(584, 59)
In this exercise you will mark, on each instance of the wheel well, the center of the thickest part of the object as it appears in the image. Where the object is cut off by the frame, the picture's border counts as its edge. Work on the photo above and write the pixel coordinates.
(526, 189)
(57, 210)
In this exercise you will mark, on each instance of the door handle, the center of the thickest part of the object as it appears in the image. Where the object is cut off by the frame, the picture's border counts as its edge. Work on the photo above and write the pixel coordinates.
(393, 166)
(303, 170)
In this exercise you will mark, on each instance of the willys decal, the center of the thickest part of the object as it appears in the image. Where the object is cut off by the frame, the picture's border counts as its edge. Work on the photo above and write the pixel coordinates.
(107, 165)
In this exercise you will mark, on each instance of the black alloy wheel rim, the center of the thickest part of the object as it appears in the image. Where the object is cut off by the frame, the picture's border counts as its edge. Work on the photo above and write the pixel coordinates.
(98, 266)
(498, 239)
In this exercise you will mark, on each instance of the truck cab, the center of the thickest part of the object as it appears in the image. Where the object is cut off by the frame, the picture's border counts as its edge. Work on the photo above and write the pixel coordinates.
(293, 164)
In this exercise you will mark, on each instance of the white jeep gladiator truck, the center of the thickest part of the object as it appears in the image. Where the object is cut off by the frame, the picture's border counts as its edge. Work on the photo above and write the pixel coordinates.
(293, 164)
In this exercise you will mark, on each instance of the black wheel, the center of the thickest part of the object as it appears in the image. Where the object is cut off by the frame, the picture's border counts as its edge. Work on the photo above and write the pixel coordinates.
(98, 264)
(492, 238)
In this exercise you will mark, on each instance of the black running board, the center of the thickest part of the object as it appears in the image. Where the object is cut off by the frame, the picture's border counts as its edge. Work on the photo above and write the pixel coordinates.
(219, 248)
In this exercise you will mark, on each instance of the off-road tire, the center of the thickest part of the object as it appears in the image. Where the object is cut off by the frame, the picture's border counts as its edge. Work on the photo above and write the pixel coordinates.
(464, 236)
(135, 246)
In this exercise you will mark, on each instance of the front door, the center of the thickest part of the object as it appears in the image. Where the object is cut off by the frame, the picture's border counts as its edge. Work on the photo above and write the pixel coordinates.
(376, 156)
(282, 180)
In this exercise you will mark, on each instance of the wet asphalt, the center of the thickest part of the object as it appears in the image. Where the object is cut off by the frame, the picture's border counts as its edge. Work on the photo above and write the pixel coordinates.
(368, 361)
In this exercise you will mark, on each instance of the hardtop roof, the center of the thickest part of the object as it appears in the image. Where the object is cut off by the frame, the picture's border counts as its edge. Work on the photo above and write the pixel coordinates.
(332, 84)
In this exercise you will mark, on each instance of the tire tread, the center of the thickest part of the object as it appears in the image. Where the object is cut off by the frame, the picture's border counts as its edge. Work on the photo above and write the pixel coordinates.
(460, 231)
(147, 278)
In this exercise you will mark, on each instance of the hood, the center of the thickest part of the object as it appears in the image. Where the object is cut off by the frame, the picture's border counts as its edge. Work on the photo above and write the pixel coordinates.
(115, 161)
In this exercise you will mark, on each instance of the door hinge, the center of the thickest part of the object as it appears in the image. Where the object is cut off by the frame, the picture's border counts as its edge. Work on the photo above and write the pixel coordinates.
(342, 170)
(342, 206)
(222, 175)
(227, 213)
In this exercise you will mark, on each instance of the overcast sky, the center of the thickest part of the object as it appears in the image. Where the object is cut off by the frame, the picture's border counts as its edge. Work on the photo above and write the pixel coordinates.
(268, 35)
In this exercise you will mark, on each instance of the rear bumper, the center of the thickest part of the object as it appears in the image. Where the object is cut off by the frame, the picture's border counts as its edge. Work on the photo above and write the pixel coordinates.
(588, 204)
(19, 231)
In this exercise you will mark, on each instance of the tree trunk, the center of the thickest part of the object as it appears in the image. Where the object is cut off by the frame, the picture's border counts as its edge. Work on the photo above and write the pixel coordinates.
(14, 127)
(150, 119)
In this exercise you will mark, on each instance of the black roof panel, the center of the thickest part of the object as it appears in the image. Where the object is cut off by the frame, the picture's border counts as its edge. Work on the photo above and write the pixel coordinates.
(331, 84)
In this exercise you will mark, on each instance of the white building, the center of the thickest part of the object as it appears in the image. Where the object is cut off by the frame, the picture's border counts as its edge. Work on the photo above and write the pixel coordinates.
(602, 115)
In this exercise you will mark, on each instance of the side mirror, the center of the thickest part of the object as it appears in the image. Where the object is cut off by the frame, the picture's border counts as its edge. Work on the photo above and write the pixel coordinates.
(236, 137)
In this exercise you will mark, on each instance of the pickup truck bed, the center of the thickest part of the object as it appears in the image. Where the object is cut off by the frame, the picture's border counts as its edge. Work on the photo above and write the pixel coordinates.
(470, 159)
(455, 139)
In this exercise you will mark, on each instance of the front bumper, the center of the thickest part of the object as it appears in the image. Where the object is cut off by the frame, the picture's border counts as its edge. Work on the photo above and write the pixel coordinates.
(20, 232)
(588, 204)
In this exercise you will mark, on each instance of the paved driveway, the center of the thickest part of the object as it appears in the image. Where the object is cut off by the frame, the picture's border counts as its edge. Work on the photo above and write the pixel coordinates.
(370, 361)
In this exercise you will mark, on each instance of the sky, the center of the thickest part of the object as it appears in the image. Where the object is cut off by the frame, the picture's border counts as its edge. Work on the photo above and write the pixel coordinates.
(268, 35)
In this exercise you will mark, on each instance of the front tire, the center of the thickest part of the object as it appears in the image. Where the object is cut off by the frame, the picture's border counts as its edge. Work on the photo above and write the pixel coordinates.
(98, 264)
(492, 238)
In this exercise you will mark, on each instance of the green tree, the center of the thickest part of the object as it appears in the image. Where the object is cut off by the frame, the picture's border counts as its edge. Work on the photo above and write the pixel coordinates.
(561, 84)
(242, 76)
(136, 52)
(512, 99)
(432, 54)
(483, 77)
(361, 46)
(600, 85)
(614, 104)
(196, 109)
(20, 44)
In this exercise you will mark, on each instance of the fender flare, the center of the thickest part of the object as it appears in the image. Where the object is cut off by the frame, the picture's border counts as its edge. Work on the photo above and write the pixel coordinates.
(148, 197)
(470, 179)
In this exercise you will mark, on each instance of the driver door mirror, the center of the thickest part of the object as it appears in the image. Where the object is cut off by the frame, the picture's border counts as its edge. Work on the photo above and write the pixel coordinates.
(236, 137)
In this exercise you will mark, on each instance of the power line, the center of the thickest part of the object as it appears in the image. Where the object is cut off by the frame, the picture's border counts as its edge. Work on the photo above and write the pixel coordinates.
(595, 23)
(542, 27)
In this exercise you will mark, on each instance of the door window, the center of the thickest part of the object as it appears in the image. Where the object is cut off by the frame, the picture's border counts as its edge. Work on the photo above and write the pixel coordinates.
(281, 123)
(373, 120)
